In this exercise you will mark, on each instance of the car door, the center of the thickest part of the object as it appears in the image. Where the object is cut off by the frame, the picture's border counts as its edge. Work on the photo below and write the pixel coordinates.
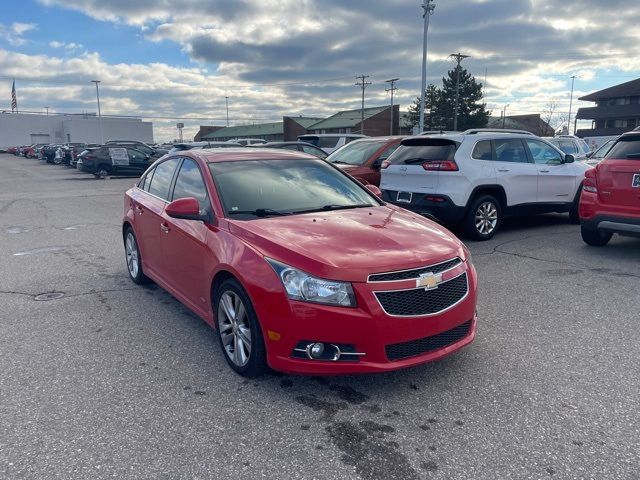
(557, 181)
(514, 172)
(184, 242)
(148, 209)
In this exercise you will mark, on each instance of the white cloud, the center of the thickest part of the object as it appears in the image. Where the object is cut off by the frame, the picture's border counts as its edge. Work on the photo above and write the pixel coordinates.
(71, 46)
(14, 33)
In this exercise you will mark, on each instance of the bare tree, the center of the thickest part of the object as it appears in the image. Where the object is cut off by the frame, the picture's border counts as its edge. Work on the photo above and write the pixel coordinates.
(549, 112)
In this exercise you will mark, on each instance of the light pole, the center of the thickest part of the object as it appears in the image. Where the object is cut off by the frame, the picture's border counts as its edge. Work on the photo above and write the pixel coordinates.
(459, 57)
(392, 88)
(47, 109)
(99, 113)
(226, 99)
(427, 7)
(573, 78)
(504, 113)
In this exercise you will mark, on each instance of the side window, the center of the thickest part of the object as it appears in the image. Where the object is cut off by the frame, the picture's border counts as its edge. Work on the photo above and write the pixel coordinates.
(290, 147)
(189, 183)
(510, 150)
(314, 151)
(162, 177)
(388, 151)
(482, 150)
(145, 181)
(567, 146)
(136, 155)
(543, 153)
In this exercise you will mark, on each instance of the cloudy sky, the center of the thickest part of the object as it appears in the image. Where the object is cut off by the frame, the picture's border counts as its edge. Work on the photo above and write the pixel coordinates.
(170, 61)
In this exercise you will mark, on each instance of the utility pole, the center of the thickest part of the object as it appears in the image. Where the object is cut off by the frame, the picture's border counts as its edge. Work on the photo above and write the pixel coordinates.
(427, 7)
(364, 85)
(47, 109)
(504, 113)
(99, 114)
(392, 88)
(573, 78)
(226, 99)
(459, 57)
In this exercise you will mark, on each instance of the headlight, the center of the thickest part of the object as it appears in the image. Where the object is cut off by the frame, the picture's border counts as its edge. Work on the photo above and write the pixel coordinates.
(304, 287)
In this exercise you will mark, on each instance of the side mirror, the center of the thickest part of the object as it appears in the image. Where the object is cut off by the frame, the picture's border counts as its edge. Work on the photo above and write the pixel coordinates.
(568, 158)
(375, 190)
(184, 208)
(376, 164)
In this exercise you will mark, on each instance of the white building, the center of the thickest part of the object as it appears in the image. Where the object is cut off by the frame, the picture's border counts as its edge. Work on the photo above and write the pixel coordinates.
(26, 129)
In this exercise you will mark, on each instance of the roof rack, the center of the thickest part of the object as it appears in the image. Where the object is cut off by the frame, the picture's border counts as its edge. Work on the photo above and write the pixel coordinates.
(436, 132)
(473, 131)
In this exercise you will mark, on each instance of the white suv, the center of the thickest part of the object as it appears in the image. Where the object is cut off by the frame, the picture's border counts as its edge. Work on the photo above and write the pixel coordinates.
(479, 177)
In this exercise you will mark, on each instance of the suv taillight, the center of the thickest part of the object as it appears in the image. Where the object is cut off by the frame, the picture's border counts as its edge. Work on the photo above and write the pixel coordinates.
(441, 166)
(590, 184)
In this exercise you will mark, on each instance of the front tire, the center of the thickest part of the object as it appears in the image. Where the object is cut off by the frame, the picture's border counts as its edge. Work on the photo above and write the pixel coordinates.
(483, 218)
(574, 215)
(238, 330)
(595, 238)
(133, 258)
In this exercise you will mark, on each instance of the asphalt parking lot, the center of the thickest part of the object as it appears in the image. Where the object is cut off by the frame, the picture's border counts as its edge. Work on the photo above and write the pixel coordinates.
(113, 380)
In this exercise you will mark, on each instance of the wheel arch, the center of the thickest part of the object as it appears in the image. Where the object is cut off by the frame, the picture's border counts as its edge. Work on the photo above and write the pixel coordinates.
(495, 190)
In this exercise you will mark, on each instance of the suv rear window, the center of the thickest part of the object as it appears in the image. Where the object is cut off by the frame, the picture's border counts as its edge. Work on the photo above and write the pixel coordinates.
(322, 142)
(420, 150)
(627, 147)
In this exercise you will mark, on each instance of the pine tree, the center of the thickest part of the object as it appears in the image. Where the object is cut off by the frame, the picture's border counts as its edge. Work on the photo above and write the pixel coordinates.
(431, 117)
(471, 108)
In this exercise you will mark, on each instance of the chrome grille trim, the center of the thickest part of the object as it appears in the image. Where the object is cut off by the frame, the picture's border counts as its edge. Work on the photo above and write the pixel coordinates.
(418, 271)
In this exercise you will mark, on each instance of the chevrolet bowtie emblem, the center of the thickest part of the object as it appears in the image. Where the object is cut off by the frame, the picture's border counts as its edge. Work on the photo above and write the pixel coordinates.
(429, 280)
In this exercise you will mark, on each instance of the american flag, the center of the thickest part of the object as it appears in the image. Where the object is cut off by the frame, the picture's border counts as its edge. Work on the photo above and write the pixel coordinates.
(14, 101)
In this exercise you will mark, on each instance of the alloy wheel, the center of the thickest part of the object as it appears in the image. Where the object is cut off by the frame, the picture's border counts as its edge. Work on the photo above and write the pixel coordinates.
(131, 249)
(486, 218)
(234, 328)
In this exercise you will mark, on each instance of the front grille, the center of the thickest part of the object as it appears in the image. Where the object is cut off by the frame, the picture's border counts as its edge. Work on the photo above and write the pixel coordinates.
(414, 273)
(419, 301)
(400, 351)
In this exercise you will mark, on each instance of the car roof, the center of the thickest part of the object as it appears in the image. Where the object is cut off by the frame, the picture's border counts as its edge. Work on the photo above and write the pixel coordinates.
(349, 135)
(241, 153)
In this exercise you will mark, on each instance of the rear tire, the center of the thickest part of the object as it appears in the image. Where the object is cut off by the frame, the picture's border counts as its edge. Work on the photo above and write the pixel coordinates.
(483, 218)
(238, 330)
(102, 172)
(133, 258)
(595, 238)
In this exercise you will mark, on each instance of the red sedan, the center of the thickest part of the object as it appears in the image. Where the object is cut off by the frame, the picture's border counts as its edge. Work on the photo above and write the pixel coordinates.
(362, 158)
(296, 265)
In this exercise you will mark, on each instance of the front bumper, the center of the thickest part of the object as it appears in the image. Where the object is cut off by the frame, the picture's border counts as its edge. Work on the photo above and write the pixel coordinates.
(368, 329)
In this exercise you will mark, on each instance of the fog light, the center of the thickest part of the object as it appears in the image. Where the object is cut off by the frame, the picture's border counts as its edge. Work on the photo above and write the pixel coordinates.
(316, 350)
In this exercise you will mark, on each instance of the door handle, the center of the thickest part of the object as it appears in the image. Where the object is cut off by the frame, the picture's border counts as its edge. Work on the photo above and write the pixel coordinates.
(544, 171)
(139, 210)
(503, 170)
(165, 227)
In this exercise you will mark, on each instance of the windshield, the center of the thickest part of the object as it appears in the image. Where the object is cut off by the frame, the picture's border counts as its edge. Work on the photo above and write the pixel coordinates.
(602, 151)
(251, 189)
(355, 153)
(627, 147)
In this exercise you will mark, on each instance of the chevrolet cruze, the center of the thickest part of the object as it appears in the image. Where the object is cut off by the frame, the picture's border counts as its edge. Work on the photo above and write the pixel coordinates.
(296, 265)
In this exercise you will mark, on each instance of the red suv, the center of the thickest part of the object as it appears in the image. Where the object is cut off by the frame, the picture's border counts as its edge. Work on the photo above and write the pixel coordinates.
(296, 265)
(610, 200)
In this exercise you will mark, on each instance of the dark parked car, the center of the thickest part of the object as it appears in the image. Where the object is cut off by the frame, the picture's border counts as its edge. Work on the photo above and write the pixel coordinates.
(143, 147)
(115, 159)
(180, 147)
(295, 146)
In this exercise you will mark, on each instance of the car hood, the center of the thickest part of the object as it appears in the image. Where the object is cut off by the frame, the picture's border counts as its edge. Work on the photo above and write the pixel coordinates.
(350, 244)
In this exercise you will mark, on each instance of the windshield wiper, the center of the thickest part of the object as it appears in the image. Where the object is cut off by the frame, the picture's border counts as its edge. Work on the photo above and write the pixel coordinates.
(328, 208)
(259, 212)
(339, 161)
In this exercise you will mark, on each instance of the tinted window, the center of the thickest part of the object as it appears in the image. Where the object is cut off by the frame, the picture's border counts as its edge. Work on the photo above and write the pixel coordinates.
(626, 147)
(189, 183)
(285, 186)
(290, 147)
(510, 150)
(482, 150)
(327, 142)
(543, 153)
(415, 152)
(136, 154)
(162, 178)
(355, 153)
